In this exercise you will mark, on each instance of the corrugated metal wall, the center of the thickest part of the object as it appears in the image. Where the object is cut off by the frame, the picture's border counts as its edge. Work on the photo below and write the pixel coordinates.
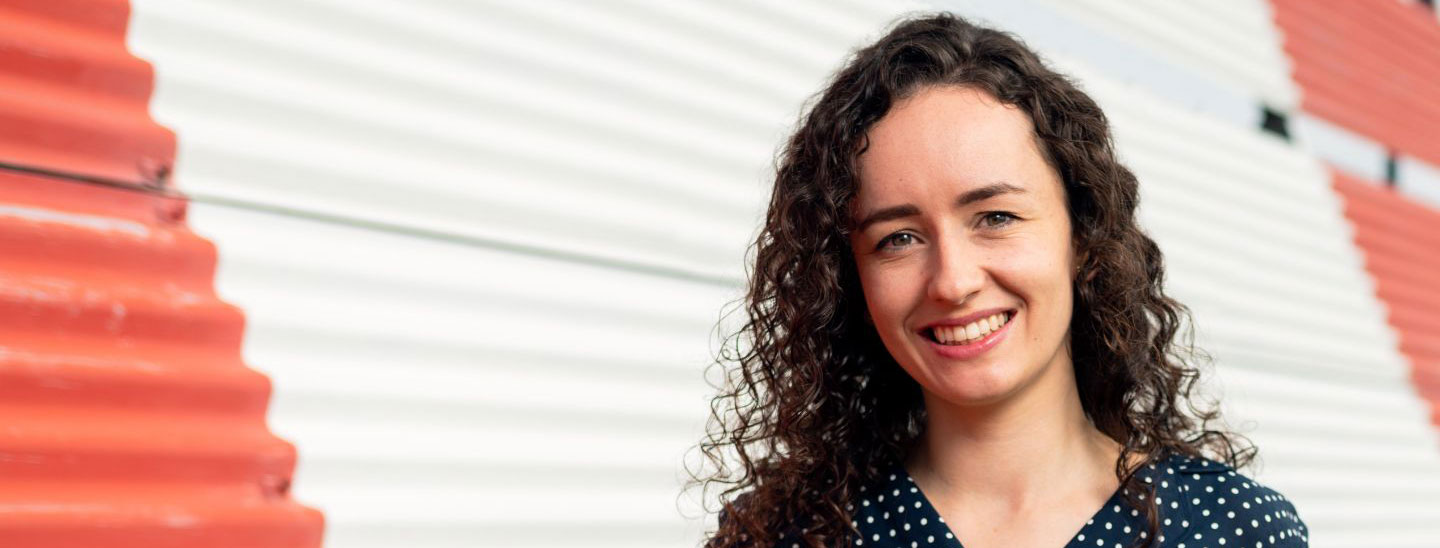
(1231, 43)
(1401, 242)
(129, 418)
(480, 246)
(490, 120)
(1257, 245)
(1370, 78)
(1371, 72)
(1370, 67)
(75, 100)
(1222, 59)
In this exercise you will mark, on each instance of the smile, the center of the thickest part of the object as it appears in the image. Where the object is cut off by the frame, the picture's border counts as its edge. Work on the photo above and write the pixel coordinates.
(971, 340)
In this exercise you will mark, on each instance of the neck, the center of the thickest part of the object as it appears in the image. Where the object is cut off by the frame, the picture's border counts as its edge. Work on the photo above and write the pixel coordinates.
(1019, 453)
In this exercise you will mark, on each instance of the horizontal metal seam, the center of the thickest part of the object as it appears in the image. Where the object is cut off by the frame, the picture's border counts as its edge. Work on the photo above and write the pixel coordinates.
(159, 189)
(637, 267)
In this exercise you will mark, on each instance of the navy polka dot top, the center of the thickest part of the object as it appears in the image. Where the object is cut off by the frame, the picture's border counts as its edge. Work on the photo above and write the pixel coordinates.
(1203, 504)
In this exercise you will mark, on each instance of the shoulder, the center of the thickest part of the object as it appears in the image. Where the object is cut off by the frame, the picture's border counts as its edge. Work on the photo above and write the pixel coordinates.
(1225, 507)
(891, 511)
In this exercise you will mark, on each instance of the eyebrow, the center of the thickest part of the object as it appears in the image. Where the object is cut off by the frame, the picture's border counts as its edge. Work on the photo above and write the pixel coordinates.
(969, 197)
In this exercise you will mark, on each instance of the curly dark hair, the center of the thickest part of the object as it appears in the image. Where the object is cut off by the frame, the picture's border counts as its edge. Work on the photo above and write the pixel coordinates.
(816, 405)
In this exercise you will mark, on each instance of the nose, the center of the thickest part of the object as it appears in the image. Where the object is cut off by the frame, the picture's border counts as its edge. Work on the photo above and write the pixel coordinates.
(957, 271)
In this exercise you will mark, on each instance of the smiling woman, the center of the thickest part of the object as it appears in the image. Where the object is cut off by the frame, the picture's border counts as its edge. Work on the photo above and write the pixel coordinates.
(958, 335)
(959, 269)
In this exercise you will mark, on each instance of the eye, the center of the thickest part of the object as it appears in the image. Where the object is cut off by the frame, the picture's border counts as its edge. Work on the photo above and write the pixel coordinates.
(1006, 218)
(899, 239)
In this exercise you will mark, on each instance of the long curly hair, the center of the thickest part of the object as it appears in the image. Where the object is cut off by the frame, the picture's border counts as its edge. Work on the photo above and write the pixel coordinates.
(815, 406)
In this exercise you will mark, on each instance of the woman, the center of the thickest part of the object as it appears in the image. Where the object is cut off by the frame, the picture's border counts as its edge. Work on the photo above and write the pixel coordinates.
(958, 334)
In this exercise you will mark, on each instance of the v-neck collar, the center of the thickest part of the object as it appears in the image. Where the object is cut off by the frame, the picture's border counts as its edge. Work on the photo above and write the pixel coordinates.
(924, 522)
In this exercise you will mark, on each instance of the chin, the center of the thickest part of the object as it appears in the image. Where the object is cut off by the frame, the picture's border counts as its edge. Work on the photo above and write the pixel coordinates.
(976, 384)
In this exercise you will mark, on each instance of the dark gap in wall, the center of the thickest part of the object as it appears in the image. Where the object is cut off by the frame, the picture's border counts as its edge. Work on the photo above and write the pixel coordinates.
(1392, 168)
(1273, 121)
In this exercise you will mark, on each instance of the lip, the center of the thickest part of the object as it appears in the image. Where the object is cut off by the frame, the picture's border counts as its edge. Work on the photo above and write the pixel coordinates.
(975, 349)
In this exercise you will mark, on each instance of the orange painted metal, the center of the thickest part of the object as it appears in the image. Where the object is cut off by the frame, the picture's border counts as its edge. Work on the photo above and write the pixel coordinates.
(1400, 240)
(1371, 67)
(127, 417)
(72, 98)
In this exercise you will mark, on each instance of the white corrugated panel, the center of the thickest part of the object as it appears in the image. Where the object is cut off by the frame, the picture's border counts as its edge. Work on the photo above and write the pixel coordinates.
(1257, 246)
(1220, 58)
(646, 126)
(1233, 41)
(1339, 147)
(447, 394)
(481, 245)
(1419, 179)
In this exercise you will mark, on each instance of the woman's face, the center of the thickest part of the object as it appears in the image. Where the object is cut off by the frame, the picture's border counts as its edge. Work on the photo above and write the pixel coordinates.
(959, 214)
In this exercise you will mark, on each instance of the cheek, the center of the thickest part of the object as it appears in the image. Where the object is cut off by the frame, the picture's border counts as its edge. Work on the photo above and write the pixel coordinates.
(1041, 278)
(888, 295)
(1035, 269)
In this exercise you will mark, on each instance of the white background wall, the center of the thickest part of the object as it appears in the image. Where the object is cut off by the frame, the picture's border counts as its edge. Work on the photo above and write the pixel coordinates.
(481, 245)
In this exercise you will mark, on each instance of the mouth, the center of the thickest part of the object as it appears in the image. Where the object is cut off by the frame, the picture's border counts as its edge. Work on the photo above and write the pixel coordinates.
(971, 334)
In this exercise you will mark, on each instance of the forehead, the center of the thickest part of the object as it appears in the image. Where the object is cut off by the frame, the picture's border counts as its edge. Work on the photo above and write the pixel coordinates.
(956, 137)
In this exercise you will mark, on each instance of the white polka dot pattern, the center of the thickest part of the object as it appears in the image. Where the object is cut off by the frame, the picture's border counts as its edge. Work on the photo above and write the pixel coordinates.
(1202, 504)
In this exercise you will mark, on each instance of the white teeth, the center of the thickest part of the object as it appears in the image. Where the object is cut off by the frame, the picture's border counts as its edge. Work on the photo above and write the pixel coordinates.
(969, 333)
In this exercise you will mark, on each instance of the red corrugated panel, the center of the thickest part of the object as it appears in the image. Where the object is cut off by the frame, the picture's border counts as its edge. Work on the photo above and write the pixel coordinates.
(129, 418)
(74, 98)
(1400, 240)
(1372, 67)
